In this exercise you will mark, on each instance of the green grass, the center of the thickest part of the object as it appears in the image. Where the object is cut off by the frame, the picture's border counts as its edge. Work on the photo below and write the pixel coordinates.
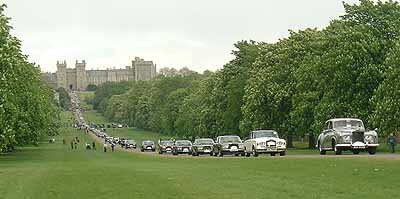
(83, 95)
(56, 171)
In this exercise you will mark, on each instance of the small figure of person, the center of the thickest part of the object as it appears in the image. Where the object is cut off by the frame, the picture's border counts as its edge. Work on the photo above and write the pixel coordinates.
(76, 145)
(392, 142)
(88, 146)
(112, 147)
(94, 145)
(72, 144)
(64, 141)
(105, 147)
(77, 139)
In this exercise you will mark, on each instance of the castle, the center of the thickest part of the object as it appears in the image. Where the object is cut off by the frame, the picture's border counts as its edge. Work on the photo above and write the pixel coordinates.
(78, 78)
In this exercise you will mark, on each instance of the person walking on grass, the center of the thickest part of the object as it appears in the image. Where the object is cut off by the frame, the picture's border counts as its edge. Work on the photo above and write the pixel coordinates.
(72, 144)
(105, 147)
(112, 147)
(392, 142)
(76, 144)
(94, 145)
(64, 141)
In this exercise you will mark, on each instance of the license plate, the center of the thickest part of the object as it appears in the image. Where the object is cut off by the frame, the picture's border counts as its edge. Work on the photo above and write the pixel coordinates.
(234, 148)
(207, 151)
(185, 150)
(270, 143)
(168, 149)
(149, 147)
(271, 149)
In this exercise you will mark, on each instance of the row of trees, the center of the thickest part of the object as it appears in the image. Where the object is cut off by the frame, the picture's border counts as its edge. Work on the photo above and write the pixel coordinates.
(28, 110)
(349, 69)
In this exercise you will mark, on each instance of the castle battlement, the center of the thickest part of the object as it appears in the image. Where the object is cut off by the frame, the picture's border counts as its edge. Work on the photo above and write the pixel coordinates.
(79, 78)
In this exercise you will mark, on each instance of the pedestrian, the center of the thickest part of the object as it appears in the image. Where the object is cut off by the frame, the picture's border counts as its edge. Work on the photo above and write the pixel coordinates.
(64, 141)
(94, 145)
(392, 142)
(112, 147)
(105, 147)
(72, 144)
(76, 145)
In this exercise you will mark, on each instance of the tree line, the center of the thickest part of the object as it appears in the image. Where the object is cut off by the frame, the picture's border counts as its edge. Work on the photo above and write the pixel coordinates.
(348, 69)
(28, 110)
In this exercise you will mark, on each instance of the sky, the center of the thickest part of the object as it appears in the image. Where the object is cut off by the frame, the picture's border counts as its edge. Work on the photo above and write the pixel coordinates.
(198, 34)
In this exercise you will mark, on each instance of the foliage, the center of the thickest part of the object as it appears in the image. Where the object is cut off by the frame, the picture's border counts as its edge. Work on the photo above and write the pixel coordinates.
(91, 87)
(28, 110)
(64, 99)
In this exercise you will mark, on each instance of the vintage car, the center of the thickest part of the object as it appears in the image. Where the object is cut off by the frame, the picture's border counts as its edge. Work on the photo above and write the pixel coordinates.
(228, 144)
(264, 141)
(182, 147)
(129, 144)
(165, 146)
(346, 134)
(203, 146)
(147, 146)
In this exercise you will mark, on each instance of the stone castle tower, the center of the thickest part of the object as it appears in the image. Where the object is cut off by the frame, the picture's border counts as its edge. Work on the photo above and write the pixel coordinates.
(79, 78)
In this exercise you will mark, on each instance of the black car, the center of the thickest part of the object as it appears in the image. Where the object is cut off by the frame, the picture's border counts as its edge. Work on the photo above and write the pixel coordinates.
(182, 147)
(165, 146)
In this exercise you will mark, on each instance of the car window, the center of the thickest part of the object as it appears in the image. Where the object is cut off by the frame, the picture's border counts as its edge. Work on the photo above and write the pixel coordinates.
(330, 125)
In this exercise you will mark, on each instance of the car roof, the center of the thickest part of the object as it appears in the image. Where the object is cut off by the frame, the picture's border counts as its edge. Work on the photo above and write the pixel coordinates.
(229, 136)
(182, 141)
(261, 130)
(203, 139)
(341, 119)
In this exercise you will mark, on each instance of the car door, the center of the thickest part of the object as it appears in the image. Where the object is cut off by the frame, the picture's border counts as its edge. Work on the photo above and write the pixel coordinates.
(328, 135)
(324, 135)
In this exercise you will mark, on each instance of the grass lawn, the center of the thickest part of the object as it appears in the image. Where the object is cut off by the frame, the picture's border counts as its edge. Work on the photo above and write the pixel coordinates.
(56, 171)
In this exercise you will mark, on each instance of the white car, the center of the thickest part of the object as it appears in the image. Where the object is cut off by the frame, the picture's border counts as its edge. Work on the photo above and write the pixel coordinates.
(265, 141)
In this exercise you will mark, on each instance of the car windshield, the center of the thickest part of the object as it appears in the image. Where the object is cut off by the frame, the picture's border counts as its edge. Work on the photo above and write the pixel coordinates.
(204, 142)
(261, 134)
(166, 142)
(231, 139)
(183, 143)
(348, 124)
(148, 143)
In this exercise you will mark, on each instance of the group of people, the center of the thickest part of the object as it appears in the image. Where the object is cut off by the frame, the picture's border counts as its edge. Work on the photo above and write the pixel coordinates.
(75, 141)
(105, 147)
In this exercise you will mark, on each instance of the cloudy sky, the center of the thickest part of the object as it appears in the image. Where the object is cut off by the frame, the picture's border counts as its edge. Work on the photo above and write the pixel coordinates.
(198, 34)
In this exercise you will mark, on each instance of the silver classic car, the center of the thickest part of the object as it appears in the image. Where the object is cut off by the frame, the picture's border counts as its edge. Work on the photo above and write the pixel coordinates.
(147, 145)
(165, 146)
(182, 147)
(342, 134)
(228, 144)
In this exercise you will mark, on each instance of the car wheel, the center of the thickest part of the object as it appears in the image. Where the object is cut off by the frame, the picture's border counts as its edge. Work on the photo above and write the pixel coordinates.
(211, 153)
(283, 153)
(372, 150)
(335, 149)
(272, 154)
(160, 152)
(356, 152)
(321, 151)
(141, 150)
(236, 154)
(242, 154)
(193, 154)
(254, 151)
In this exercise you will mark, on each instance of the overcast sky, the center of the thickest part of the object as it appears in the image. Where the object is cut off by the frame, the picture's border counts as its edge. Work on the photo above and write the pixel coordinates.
(198, 34)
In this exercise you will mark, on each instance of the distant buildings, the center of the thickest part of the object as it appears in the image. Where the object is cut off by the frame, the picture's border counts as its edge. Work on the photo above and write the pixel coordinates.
(79, 78)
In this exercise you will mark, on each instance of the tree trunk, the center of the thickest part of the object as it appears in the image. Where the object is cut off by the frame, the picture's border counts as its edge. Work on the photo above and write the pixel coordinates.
(311, 141)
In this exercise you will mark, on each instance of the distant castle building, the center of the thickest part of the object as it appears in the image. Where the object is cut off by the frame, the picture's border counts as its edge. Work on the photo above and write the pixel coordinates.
(79, 78)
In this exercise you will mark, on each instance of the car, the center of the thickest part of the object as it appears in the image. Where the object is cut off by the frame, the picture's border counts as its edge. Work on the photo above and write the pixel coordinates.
(115, 140)
(203, 146)
(109, 139)
(130, 144)
(341, 134)
(182, 147)
(228, 144)
(264, 141)
(148, 146)
(165, 146)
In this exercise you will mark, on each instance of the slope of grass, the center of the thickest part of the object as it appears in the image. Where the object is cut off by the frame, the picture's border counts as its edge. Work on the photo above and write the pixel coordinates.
(56, 171)
(83, 96)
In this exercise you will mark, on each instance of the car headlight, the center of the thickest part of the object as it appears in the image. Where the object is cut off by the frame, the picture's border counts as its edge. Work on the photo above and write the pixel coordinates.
(226, 146)
(346, 138)
(281, 143)
(261, 143)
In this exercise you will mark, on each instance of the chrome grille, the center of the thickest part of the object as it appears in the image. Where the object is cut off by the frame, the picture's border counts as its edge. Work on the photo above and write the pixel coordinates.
(358, 136)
